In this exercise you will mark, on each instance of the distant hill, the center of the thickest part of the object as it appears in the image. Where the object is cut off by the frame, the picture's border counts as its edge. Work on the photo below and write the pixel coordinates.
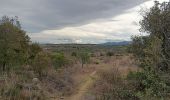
(122, 43)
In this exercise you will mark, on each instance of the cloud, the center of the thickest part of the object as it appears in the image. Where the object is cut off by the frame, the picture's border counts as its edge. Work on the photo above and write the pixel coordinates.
(77, 21)
(116, 28)
(38, 15)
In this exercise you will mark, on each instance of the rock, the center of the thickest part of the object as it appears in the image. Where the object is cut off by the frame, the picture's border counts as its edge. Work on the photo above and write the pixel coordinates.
(35, 80)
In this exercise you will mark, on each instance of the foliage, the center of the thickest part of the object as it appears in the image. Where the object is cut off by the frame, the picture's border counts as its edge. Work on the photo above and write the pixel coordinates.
(84, 57)
(147, 50)
(74, 54)
(109, 53)
(41, 63)
(152, 53)
(148, 84)
(156, 22)
(34, 49)
(59, 60)
(111, 86)
(13, 43)
(24, 65)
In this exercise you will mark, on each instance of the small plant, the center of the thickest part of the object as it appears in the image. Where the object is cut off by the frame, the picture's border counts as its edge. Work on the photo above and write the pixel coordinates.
(74, 54)
(101, 54)
(96, 62)
(109, 54)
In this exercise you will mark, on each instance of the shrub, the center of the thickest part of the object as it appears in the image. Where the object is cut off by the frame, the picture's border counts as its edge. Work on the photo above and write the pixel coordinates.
(152, 53)
(109, 54)
(148, 84)
(96, 62)
(34, 49)
(59, 60)
(84, 57)
(41, 63)
(111, 86)
(74, 54)
(101, 54)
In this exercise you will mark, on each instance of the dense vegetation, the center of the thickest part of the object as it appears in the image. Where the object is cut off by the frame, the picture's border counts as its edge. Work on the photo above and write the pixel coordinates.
(23, 64)
(152, 53)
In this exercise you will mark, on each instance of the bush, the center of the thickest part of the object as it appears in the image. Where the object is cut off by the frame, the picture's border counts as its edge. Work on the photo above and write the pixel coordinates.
(84, 57)
(148, 84)
(152, 53)
(74, 54)
(41, 63)
(111, 86)
(109, 54)
(96, 62)
(59, 60)
(101, 54)
(34, 49)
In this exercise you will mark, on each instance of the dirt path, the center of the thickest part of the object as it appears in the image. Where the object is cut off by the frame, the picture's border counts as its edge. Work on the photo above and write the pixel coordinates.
(87, 79)
(83, 87)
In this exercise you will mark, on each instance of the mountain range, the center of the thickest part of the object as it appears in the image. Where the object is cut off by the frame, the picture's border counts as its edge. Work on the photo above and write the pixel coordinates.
(122, 43)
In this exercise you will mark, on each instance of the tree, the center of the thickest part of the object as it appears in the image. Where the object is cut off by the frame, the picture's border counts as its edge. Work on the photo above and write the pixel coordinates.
(152, 52)
(84, 57)
(13, 43)
(156, 22)
(34, 49)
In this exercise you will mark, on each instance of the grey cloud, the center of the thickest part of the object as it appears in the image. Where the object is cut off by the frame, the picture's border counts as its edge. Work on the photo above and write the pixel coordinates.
(38, 15)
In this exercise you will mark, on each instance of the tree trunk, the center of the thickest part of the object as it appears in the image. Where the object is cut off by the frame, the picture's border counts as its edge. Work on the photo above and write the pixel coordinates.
(3, 66)
(82, 65)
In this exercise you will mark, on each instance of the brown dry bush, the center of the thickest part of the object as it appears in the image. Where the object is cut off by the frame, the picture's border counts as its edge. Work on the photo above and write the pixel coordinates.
(58, 83)
(111, 86)
(15, 87)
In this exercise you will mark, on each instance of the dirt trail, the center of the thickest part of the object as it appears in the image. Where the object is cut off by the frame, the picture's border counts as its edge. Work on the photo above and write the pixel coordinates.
(85, 81)
(84, 87)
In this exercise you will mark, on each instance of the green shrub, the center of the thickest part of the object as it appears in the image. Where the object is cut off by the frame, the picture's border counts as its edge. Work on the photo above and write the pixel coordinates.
(34, 49)
(152, 53)
(109, 53)
(148, 84)
(74, 54)
(96, 62)
(41, 63)
(59, 60)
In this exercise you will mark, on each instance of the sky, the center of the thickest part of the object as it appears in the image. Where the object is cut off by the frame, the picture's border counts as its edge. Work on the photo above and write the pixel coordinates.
(77, 21)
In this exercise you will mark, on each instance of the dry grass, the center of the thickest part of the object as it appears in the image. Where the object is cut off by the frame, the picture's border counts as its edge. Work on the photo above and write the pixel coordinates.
(111, 84)
(112, 70)
(24, 85)
(67, 81)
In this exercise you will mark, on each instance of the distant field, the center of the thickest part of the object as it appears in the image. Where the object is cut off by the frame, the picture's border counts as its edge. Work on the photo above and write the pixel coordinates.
(68, 48)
